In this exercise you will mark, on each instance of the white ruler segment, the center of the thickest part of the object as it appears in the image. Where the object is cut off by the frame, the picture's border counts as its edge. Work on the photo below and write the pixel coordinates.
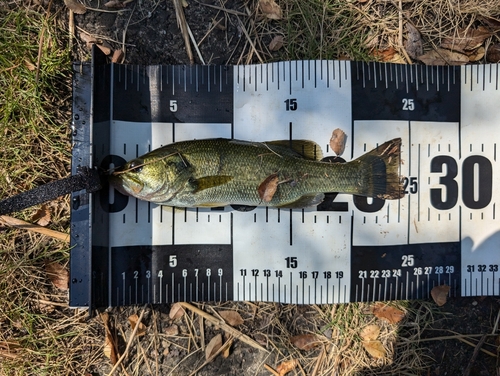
(304, 256)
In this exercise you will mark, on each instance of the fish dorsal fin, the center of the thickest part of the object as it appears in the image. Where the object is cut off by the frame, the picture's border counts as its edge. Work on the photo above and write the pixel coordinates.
(305, 201)
(209, 182)
(306, 148)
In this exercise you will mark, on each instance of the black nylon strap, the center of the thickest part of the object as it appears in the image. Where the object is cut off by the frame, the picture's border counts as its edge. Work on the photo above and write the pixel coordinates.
(86, 178)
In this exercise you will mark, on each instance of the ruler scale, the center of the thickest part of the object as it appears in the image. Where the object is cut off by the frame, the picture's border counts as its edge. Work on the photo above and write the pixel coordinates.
(348, 249)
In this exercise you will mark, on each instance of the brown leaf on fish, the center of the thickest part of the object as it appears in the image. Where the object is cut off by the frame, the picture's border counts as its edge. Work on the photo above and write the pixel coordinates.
(337, 141)
(268, 188)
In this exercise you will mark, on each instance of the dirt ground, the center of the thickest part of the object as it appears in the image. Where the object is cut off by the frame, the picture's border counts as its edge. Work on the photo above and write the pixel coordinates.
(153, 37)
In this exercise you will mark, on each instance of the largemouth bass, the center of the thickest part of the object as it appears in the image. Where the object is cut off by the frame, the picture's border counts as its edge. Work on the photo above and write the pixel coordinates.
(219, 172)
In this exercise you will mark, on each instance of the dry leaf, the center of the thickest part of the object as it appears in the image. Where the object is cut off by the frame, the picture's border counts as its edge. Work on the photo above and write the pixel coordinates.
(214, 345)
(171, 330)
(268, 188)
(287, 366)
(466, 39)
(443, 57)
(42, 216)
(227, 351)
(370, 332)
(109, 349)
(391, 314)
(374, 348)
(28, 64)
(476, 55)
(133, 322)
(109, 342)
(439, 294)
(270, 9)
(389, 55)
(114, 4)
(233, 318)
(305, 341)
(493, 53)
(413, 46)
(176, 311)
(75, 6)
(337, 141)
(117, 56)
(57, 274)
(276, 43)
(89, 39)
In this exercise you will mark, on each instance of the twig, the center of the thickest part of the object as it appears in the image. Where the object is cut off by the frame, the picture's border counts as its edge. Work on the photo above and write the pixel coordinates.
(318, 362)
(212, 357)
(18, 223)
(474, 345)
(250, 40)
(191, 36)
(230, 11)
(40, 44)
(181, 22)
(474, 355)
(71, 27)
(202, 333)
(129, 343)
(235, 333)
(125, 34)
(271, 369)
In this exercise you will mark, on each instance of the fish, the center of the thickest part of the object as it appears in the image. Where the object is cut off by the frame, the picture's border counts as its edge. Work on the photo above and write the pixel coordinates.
(282, 174)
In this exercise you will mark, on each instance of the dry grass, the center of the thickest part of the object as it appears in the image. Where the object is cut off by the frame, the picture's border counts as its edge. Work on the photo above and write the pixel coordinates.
(40, 335)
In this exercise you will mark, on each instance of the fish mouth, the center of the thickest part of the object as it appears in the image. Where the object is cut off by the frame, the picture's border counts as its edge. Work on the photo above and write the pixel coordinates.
(125, 184)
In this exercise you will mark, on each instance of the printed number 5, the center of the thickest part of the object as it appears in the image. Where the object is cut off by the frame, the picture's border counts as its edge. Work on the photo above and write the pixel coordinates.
(173, 105)
(408, 104)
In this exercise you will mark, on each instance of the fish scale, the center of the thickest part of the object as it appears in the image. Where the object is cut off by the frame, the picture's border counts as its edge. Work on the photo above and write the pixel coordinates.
(349, 248)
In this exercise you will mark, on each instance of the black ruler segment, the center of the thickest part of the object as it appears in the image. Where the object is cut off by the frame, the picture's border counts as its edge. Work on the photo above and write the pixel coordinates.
(405, 92)
(166, 274)
(404, 272)
(175, 94)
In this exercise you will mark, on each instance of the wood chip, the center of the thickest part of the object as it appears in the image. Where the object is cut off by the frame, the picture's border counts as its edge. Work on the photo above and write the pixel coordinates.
(75, 6)
(268, 188)
(118, 56)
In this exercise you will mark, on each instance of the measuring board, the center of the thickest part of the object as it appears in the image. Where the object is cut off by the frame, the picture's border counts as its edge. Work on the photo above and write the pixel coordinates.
(446, 230)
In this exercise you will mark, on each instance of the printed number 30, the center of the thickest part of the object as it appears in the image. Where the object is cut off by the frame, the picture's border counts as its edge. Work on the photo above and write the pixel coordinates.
(408, 104)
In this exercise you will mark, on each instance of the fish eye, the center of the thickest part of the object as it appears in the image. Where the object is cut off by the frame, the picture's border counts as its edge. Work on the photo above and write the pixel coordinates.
(136, 165)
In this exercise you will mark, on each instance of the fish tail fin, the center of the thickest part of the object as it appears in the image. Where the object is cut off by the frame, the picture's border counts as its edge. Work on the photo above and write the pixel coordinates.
(381, 170)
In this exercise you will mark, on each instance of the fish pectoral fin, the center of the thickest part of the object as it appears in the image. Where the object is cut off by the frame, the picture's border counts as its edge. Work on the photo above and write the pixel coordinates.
(306, 148)
(305, 201)
(209, 182)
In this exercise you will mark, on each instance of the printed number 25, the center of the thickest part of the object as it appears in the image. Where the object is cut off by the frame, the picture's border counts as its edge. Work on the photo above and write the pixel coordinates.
(408, 104)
